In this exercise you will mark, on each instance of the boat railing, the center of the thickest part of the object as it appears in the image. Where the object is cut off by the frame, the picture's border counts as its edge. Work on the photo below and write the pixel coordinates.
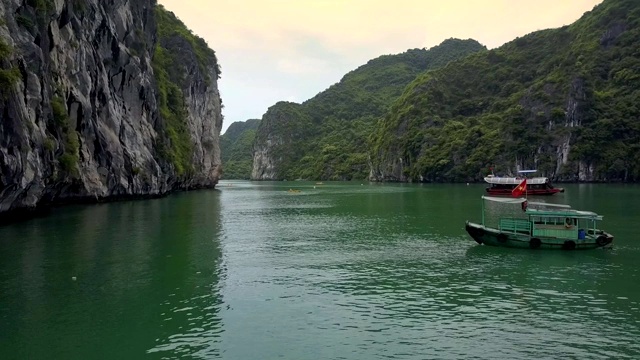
(515, 225)
(496, 180)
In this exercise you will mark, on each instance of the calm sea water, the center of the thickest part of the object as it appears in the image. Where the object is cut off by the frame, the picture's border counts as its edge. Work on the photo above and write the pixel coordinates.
(335, 271)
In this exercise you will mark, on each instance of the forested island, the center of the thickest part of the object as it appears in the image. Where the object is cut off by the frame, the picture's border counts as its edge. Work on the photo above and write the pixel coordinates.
(563, 101)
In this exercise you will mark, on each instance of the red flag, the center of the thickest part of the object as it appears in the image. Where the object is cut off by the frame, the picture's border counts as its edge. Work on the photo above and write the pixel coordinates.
(520, 189)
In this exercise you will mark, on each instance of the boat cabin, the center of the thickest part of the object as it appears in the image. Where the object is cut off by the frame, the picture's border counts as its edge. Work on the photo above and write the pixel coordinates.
(547, 220)
(562, 222)
(515, 222)
(535, 186)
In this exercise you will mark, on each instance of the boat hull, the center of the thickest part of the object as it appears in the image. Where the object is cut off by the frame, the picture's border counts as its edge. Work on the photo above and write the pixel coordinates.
(507, 192)
(493, 237)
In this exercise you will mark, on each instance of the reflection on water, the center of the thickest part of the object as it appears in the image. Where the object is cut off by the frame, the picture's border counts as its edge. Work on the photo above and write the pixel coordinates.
(353, 282)
(115, 279)
(336, 271)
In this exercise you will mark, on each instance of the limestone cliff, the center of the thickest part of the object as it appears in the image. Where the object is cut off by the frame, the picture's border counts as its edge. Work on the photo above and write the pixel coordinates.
(283, 127)
(326, 137)
(103, 100)
(562, 101)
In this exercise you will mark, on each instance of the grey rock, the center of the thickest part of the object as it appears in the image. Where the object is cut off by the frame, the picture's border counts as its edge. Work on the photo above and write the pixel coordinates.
(95, 56)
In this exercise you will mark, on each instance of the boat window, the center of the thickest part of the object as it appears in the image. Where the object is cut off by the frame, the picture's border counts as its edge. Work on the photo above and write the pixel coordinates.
(561, 221)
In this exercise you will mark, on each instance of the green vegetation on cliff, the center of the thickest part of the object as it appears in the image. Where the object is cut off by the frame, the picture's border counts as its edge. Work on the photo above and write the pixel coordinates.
(286, 129)
(326, 137)
(564, 101)
(236, 148)
(168, 66)
(169, 25)
(171, 103)
(70, 156)
(9, 75)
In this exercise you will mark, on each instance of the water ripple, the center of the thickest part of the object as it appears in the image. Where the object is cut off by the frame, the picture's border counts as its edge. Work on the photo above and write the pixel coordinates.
(309, 276)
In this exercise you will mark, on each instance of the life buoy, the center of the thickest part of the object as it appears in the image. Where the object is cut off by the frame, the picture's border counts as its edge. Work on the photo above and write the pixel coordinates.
(524, 205)
(535, 243)
(602, 240)
(569, 245)
(502, 238)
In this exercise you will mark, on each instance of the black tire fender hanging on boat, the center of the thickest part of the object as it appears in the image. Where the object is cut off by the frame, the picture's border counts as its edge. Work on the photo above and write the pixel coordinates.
(569, 245)
(535, 243)
(602, 240)
(524, 205)
(502, 238)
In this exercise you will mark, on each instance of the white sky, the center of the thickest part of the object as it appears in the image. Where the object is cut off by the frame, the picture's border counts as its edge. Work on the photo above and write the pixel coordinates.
(274, 50)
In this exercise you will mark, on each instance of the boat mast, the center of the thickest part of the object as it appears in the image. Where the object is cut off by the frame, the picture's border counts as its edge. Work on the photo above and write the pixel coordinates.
(524, 174)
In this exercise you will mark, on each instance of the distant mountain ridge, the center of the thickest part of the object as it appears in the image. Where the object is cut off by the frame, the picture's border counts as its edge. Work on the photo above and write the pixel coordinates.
(564, 101)
(326, 137)
(236, 148)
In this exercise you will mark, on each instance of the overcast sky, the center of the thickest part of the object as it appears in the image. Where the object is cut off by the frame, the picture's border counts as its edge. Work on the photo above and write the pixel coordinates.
(273, 50)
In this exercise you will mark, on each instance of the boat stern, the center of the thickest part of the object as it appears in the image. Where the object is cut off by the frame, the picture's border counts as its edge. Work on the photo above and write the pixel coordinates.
(604, 240)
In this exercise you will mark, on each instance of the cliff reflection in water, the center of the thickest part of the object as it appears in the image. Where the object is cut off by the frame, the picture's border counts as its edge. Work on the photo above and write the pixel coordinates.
(146, 276)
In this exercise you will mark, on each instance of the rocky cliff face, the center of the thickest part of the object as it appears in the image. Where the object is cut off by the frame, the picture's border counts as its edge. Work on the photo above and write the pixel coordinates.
(81, 109)
(282, 128)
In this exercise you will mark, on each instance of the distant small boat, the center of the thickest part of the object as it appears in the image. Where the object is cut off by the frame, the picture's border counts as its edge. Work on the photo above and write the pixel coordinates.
(515, 222)
(535, 186)
(293, 190)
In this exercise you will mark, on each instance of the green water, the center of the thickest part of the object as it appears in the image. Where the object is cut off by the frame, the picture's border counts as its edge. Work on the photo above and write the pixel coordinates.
(339, 271)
